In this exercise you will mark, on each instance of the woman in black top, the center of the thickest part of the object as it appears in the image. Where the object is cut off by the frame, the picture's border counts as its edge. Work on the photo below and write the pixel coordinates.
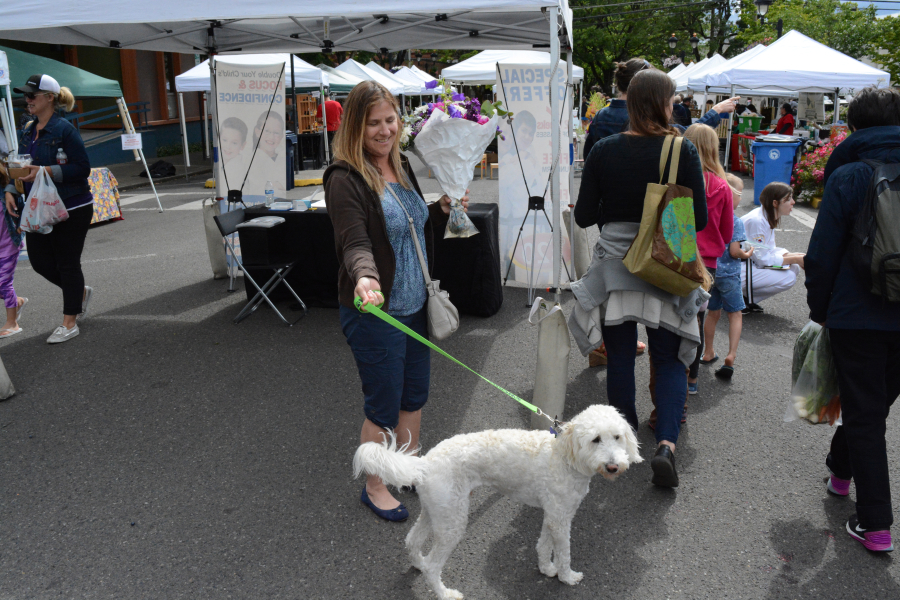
(613, 185)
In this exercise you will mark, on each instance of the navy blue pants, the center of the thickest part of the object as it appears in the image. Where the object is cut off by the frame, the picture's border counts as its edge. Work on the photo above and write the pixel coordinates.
(394, 368)
(671, 379)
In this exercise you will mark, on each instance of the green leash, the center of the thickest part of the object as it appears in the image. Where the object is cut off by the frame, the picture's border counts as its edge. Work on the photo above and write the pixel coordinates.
(376, 310)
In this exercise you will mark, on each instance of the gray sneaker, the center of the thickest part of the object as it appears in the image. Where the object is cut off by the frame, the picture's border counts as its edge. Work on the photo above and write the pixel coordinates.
(88, 292)
(61, 334)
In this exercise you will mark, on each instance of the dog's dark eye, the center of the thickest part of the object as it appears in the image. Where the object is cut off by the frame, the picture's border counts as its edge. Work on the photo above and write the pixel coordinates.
(617, 437)
(597, 440)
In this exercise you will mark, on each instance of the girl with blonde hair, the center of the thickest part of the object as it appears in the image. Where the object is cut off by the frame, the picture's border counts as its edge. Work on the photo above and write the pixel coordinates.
(369, 191)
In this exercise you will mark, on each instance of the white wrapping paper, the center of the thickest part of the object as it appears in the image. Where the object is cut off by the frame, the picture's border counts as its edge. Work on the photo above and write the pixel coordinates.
(452, 148)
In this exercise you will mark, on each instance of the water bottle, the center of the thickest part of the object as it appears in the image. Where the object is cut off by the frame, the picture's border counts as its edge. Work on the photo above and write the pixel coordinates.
(61, 157)
(270, 193)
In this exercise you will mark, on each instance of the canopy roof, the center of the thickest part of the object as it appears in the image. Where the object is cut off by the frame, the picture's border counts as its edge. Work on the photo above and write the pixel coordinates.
(677, 70)
(23, 65)
(481, 69)
(413, 88)
(711, 63)
(363, 72)
(796, 63)
(275, 26)
(339, 81)
(306, 76)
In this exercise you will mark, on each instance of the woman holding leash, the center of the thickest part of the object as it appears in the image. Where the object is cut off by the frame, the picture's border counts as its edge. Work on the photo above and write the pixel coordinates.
(366, 191)
(611, 298)
(55, 146)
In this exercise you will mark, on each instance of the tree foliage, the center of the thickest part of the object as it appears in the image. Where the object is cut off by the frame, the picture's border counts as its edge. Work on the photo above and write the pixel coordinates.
(839, 25)
(886, 49)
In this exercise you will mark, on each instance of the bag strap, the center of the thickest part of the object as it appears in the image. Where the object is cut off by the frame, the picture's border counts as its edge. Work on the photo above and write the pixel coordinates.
(412, 232)
(676, 154)
(664, 156)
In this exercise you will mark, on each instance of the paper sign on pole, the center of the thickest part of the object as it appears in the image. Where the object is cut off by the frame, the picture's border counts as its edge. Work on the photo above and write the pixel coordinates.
(245, 94)
(525, 167)
(4, 69)
(811, 107)
(132, 141)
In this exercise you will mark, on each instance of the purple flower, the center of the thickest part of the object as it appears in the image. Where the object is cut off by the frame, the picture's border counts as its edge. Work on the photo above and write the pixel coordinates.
(430, 85)
(458, 97)
(454, 112)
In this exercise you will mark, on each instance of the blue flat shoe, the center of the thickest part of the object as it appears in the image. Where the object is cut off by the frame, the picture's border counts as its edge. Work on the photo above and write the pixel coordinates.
(692, 388)
(395, 514)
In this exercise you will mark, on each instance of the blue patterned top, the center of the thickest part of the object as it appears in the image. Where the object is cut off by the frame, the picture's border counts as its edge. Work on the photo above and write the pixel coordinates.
(727, 266)
(408, 290)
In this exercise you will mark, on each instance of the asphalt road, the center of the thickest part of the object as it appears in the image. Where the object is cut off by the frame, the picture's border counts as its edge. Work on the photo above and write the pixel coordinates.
(167, 453)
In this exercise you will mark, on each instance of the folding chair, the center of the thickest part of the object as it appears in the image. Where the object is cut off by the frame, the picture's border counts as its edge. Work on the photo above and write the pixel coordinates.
(228, 224)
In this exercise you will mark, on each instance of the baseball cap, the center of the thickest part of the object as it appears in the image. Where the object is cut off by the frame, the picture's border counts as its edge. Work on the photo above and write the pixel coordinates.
(38, 83)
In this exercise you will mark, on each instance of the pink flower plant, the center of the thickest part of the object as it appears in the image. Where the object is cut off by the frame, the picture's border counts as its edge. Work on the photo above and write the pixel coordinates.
(808, 179)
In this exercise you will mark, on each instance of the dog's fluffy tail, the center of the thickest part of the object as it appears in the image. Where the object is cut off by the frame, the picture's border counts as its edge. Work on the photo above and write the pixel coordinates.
(395, 466)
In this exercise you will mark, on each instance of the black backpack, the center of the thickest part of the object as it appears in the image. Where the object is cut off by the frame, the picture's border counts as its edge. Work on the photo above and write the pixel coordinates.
(875, 237)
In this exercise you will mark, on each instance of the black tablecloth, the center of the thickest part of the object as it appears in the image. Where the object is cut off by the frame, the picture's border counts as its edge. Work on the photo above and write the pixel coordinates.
(469, 268)
(311, 148)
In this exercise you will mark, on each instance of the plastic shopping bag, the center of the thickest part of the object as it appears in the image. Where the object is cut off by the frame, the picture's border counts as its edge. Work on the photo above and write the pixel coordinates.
(815, 395)
(44, 208)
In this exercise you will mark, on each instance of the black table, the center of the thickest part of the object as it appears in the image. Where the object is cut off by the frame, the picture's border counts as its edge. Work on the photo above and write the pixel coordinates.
(468, 268)
(311, 149)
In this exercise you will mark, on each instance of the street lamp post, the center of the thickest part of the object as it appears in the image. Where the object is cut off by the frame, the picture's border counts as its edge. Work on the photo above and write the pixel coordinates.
(762, 7)
(673, 41)
(695, 41)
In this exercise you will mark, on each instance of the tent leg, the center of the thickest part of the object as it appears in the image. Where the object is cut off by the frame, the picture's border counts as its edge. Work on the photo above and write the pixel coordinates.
(129, 128)
(324, 125)
(837, 106)
(205, 128)
(569, 108)
(184, 137)
(554, 141)
(728, 135)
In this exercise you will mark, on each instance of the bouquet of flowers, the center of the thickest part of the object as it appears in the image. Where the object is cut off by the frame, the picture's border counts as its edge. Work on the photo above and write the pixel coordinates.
(450, 136)
(815, 395)
(595, 105)
(808, 179)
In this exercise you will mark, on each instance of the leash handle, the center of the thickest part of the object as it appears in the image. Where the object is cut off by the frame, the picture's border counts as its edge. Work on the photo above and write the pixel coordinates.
(376, 310)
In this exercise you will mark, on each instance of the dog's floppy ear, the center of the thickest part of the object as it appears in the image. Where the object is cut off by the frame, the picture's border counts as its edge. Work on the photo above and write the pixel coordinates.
(631, 445)
(566, 441)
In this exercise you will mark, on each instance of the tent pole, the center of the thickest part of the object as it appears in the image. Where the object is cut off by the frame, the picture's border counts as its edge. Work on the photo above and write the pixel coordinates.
(205, 126)
(10, 129)
(555, 108)
(837, 106)
(184, 137)
(129, 128)
(215, 127)
(294, 98)
(324, 124)
(570, 100)
(728, 135)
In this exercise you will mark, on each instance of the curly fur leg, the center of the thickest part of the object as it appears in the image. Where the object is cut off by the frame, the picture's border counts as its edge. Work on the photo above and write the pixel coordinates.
(417, 537)
(545, 552)
(561, 552)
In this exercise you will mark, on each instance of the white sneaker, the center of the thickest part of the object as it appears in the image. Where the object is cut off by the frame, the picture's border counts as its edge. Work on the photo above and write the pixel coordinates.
(62, 334)
(88, 292)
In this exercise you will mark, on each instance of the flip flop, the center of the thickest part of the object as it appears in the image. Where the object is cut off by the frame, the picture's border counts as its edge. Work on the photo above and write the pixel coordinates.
(5, 333)
(19, 309)
(641, 346)
(724, 372)
(709, 362)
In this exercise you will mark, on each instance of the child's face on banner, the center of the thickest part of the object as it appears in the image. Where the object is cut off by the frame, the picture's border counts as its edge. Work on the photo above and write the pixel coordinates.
(231, 141)
(271, 136)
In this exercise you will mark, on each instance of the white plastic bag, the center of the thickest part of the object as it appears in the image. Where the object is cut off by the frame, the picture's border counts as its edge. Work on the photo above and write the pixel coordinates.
(815, 395)
(451, 148)
(44, 208)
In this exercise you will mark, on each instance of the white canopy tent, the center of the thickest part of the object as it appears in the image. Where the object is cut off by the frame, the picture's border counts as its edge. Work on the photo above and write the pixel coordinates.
(421, 74)
(305, 75)
(481, 69)
(407, 75)
(304, 26)
(678, 70)
(365, 73)
(681, 81)
(335, 76)
(409, 88)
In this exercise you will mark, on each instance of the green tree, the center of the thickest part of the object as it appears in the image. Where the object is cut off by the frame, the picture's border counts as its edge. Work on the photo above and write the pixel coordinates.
(886, 47)
(839, 25)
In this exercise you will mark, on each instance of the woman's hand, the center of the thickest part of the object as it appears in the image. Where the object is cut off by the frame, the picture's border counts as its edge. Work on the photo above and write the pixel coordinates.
(11, 205)
(369, 290)
(34, 172)
(726, 106)
(445, 203)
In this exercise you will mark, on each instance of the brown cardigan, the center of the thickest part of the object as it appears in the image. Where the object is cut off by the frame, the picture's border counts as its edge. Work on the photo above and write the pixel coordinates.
(360, 233)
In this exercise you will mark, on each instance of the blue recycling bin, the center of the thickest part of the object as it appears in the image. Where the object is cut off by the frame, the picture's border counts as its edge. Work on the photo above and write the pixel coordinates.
(773, 161)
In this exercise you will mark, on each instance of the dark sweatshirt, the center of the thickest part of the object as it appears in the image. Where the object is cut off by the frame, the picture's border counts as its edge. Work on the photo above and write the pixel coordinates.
(616, 174)
(834, 292)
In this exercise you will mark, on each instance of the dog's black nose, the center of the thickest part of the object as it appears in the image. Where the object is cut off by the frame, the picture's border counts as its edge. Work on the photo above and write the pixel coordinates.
(612, 468)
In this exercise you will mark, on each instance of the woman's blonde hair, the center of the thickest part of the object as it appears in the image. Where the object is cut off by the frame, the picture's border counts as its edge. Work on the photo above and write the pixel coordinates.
(65, 98)
(706, 140)
(349, 141)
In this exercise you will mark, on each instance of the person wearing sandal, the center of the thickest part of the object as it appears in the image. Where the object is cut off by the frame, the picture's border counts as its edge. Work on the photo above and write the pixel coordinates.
(364, 189)
(56, 256)
(10, 244)
(611, 300)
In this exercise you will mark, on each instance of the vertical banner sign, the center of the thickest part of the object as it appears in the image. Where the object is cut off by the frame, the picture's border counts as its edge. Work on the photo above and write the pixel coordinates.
(525, 168)
(244, 95)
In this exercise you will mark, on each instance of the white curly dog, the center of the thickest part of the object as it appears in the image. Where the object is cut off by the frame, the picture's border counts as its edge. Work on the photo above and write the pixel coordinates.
(532, 467)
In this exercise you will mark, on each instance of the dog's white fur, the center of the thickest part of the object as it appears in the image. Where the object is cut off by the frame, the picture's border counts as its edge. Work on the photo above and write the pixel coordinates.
(532, 467)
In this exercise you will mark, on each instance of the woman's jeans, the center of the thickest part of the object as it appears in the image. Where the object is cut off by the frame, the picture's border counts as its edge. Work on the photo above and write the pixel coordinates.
(671, 379)
(56, 256)
(869, 378)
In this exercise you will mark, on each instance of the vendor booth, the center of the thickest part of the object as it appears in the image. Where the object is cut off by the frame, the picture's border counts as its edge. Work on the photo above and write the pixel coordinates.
(17, 66)
(481, 69)
(363, 72)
